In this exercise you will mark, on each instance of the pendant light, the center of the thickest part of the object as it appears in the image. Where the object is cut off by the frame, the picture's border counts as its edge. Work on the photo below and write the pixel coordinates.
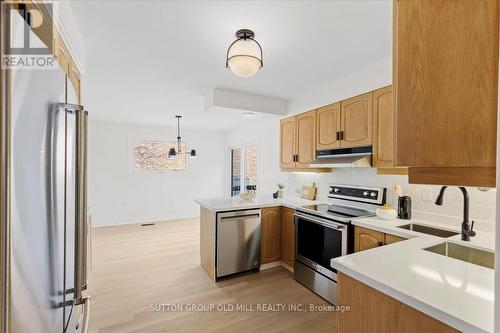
(172, 152)
(244, 55)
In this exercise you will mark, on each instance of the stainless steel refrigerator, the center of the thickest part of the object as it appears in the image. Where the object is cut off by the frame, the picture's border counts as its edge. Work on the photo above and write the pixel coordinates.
(46, 270)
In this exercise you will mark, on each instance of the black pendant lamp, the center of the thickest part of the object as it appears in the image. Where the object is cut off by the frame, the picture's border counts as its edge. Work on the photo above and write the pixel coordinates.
(172, 152)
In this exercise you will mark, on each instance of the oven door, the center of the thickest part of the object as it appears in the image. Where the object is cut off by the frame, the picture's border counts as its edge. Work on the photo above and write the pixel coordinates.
(319, 240)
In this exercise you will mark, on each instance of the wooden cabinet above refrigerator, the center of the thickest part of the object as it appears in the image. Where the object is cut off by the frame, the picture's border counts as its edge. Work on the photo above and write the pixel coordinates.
(446, 87)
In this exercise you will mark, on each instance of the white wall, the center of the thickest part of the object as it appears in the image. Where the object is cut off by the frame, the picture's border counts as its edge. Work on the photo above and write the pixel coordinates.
(265, 133)
(117, 194)
(364, 80)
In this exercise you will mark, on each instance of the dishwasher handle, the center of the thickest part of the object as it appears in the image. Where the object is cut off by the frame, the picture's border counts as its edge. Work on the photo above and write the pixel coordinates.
(239, 217)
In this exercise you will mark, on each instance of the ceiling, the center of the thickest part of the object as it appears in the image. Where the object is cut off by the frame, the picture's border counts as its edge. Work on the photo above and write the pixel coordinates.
(150, 60)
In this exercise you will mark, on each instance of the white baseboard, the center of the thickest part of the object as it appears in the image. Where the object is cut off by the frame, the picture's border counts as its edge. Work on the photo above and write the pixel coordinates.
(100, 223)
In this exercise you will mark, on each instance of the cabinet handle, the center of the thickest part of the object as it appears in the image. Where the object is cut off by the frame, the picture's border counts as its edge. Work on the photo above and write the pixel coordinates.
(341, 135)
(338, 135)
(380, 243)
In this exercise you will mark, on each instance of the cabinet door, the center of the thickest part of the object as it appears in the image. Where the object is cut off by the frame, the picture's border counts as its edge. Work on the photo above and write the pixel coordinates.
(365, 239)
(288, 236)
(271, 234)
(446, 84)
(287, 143)
(389, 239)
(328, 126)
(306, 138)
(356, 121)
(383, 134)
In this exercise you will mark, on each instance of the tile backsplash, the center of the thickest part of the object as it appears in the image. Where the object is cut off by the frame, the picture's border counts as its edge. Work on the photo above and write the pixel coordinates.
(482, 204)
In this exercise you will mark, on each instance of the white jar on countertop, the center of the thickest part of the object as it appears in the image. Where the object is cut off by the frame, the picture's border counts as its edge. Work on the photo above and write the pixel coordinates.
(386, 212)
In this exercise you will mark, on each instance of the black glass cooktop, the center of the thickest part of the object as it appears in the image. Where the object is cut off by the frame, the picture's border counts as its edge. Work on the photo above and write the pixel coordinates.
(336, 211)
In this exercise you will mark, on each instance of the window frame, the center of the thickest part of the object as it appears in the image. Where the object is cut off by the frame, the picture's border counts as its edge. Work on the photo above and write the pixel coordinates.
(243, 149)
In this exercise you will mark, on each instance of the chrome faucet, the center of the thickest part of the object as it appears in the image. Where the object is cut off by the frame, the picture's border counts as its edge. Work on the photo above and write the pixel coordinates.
(467, 231)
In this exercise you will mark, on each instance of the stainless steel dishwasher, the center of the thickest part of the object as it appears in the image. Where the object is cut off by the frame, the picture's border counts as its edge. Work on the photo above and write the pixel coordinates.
(238, 242)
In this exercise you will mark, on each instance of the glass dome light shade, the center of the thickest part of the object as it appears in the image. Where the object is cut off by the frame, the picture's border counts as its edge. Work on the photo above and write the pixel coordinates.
(244, 57)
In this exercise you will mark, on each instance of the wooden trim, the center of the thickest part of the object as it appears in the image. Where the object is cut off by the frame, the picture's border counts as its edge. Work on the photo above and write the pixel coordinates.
(466, 176)
(208, 220)
(398, 171)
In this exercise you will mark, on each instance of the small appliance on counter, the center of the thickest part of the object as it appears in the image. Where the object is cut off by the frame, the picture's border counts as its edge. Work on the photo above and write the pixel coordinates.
(404, 207)
(324, 231)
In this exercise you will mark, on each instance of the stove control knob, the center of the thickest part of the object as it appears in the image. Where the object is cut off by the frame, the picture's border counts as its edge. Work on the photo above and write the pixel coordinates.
(365, 193)
(336, 190)
(373, 194)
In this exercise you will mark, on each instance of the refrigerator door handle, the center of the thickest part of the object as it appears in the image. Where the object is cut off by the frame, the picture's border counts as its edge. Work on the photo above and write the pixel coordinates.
(86, 314)
(81, 205)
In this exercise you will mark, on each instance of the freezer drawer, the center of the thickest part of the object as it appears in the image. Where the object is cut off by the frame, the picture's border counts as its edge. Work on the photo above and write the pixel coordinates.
(238, 242)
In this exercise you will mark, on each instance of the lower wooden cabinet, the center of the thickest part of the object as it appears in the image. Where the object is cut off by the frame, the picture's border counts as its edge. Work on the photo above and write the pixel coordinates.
(270, 234)
(287, 236)
(389, 239)
(373, 311)
(365, 239)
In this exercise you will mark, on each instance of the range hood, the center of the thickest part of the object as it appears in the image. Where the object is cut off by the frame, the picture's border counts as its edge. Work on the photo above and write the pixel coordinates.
(357, 157)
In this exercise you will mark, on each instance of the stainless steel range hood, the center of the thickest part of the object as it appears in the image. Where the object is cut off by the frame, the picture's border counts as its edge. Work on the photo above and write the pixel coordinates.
(357, 157)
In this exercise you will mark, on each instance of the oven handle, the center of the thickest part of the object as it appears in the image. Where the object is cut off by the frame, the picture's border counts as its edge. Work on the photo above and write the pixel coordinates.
(329, 224)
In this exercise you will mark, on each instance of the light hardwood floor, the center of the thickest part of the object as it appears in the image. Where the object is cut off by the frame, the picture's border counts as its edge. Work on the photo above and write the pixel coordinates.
(135, 267)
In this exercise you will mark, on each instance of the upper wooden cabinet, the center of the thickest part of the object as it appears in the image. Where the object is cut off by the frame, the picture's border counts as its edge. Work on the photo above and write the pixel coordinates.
(287, 142)
(446, 87)
(271, 234)
(345, 124)
(328, 127)
(298, 141)
(383, 134)
(306, 139)
(356, 121)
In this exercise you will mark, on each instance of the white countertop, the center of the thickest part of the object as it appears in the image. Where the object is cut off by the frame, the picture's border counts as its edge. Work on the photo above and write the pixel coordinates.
(236, 203)
(455, 292)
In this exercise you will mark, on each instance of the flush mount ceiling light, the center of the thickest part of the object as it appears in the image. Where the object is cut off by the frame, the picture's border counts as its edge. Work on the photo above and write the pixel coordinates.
(244, 55)
(172, 152)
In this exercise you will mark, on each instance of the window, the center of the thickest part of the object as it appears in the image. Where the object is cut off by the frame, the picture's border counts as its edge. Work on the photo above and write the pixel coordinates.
(235, 171)
(251, 167)
(152, 155)
(243, 167)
